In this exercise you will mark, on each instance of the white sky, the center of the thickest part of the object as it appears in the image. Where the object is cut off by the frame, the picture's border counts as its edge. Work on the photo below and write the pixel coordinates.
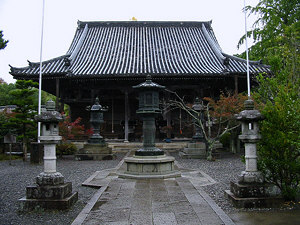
(20, 21)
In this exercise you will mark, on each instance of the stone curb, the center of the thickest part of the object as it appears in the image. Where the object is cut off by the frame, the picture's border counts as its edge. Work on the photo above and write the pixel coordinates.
(86, 210)
(222, 215)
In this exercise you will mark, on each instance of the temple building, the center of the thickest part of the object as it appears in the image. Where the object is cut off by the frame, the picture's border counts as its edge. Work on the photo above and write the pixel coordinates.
(106, 59)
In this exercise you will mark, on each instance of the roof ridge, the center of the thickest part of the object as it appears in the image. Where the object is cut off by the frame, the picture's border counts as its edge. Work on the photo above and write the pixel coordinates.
(81, 24)
(34, 64)
(79, 43)
(216, 48)
(47, 61)
(259, 62)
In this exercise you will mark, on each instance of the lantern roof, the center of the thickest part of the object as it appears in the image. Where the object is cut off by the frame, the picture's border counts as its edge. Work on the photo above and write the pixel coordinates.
(249, 114)
(149, 84)
(49, 115)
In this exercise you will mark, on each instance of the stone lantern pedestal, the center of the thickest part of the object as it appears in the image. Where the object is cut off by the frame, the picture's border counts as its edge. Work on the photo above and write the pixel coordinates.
(149, 162)
(50, 190)
(96, 148)
(251, 191)
(196, 149)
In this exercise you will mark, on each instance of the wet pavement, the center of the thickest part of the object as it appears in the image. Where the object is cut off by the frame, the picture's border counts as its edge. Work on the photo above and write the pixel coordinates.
(290, 217)
(170, 201)
(157, 201)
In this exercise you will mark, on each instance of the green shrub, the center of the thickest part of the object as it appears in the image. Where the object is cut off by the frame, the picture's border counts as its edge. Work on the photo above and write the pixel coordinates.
(225, 139)
(279, 149)
(66, 149)
(7, 157)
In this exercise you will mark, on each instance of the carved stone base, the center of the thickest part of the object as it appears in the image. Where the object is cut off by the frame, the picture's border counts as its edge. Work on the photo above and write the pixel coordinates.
(251, 177)
(254, 195)
(48, 197)
(49, 192)
(95, 152)
(51, 204)
(149, 167)
(50, 179)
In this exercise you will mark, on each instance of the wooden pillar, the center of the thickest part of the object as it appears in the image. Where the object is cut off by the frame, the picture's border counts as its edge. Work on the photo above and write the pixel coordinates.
(112, 115)
(236, 84)
(57, 108)
(126, 116)
(168, 114)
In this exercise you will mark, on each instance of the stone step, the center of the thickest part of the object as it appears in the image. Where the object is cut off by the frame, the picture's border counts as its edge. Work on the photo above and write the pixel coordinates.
(136, 145)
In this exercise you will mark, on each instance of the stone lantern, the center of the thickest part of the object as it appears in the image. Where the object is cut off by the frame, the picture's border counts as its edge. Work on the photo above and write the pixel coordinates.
(96, 119)
(96, 148)
(199, 108)
(149, 162)
(250, 136)
(251, 191)
(148, 111)
(196, 149)
(50, 191)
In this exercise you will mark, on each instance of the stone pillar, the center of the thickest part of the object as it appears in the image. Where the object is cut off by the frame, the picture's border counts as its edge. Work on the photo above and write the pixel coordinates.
(149, 130)
(50, 191)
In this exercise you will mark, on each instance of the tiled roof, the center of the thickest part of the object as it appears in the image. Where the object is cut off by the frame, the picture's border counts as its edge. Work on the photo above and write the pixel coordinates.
(106, 49)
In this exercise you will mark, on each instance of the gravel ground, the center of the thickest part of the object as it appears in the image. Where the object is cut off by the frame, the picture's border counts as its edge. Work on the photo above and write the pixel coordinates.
(15, 178)
(223, 170)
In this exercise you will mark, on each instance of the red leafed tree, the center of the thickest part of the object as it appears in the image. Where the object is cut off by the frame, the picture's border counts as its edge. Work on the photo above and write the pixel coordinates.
(222, 111)
(219, 116)
(72, 130)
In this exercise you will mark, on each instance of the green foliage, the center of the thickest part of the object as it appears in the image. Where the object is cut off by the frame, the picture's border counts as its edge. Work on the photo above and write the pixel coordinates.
(225, 139)
(22, 123)
(4, 157)
(276, 34)
(3, 42)
(5, 97)
(66, 149)
(279, 149)
(4, 129)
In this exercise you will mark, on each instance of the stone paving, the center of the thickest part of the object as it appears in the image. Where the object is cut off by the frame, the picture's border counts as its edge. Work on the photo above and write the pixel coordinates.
(170, 201)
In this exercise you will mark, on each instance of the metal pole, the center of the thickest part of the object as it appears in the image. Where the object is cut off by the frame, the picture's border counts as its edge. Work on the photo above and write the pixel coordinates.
(40, 77)
(247, 55)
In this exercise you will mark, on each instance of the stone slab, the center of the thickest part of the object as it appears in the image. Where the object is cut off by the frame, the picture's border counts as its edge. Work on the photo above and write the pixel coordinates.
(258, 202)
(253, 190)
(48, 204)
(95, 156)
(187, 155)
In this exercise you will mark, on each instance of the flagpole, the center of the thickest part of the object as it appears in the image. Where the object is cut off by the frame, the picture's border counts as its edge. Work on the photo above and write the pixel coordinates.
(40, 77)
(247, 55)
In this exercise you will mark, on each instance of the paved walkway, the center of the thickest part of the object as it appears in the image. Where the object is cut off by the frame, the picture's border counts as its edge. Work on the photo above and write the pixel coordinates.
(159, 201)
